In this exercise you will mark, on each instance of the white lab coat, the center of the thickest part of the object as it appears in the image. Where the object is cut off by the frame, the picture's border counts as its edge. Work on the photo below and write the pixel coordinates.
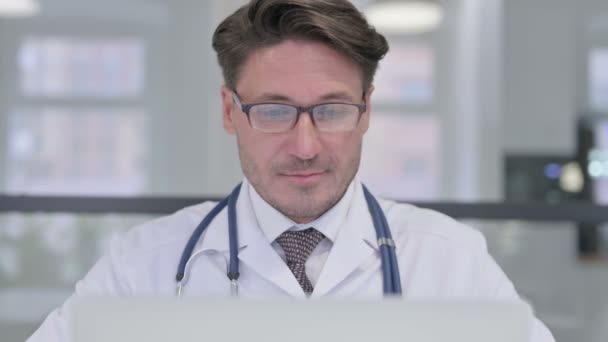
(438, 258)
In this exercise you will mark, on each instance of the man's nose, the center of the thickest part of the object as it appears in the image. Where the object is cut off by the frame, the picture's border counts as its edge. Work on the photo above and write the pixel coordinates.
(305, 142)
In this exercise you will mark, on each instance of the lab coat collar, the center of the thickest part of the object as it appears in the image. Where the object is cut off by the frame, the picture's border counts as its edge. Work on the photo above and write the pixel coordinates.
(258, 253)
(216, 238)
(255, 250)
(354, 244)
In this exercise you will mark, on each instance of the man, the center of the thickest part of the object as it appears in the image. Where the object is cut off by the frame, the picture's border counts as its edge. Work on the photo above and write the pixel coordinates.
(298, 97)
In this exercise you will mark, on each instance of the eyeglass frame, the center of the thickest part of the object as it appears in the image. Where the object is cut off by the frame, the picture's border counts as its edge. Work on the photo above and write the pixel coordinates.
(246, 107)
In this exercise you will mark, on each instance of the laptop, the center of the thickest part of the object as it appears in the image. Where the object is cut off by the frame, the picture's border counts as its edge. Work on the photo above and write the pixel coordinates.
(197, 319)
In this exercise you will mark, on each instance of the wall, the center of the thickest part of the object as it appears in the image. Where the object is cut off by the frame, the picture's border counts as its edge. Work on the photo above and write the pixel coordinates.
(469, 88)
(540, 69)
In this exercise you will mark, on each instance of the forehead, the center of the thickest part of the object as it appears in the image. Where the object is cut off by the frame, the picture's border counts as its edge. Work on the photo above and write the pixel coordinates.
(299, 69)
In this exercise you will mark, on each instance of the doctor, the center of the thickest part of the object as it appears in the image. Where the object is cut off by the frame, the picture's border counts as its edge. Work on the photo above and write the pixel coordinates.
(298, 98)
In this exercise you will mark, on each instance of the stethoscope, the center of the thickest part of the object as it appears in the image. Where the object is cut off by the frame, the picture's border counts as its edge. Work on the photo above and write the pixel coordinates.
(390, 269)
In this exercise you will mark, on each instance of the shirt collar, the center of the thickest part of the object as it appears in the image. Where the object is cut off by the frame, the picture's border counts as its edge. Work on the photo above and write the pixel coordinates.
(273, 223)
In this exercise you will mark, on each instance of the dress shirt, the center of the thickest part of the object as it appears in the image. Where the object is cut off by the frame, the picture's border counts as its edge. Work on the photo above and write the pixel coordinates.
(273, 223)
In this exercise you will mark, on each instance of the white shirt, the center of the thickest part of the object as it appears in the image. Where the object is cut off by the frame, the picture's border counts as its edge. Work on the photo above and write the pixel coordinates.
(438, 258)
(273, 223)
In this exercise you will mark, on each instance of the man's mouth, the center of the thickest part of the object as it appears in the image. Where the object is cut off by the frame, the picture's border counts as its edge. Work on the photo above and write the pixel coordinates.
(310, 177)
(303, 173)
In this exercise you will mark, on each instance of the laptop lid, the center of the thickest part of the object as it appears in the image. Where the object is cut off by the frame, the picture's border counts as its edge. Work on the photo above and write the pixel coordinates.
(192, 319)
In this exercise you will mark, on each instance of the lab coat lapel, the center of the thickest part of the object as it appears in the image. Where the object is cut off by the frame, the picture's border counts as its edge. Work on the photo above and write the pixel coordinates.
(255, 251)
(260, 257)
(258, 253)
(355, 243)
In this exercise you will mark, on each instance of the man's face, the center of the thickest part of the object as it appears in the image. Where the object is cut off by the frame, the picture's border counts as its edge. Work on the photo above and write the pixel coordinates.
(302, 172)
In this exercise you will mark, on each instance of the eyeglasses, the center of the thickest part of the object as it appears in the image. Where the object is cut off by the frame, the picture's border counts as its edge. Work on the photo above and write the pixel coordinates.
(279, 117)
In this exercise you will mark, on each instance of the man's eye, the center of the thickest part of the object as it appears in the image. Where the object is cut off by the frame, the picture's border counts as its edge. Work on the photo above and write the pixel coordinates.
(271, 112)
(331, 111)
(326, 113)
(276, 113)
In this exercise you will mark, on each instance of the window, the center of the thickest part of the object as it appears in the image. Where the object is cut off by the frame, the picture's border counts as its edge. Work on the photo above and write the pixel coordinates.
(103, 68)
(598, 77)
(79, 126)
(401, 156)
(402, 148)
(405, 76)
(56, 150)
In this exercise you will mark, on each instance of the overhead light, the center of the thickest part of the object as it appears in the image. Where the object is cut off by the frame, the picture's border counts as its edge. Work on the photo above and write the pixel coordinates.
(18, 8)
(415, 16)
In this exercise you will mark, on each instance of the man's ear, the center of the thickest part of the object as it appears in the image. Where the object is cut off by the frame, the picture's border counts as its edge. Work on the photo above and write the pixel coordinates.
(227, 109)
(368, 107)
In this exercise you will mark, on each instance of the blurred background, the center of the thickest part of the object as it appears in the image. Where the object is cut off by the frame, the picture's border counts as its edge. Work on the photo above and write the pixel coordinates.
(500, 101)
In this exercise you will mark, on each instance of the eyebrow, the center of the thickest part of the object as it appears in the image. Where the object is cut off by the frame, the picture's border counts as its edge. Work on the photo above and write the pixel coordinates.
(334, 96)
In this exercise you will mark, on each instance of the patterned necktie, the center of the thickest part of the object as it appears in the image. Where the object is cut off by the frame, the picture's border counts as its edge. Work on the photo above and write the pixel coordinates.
(298, 245)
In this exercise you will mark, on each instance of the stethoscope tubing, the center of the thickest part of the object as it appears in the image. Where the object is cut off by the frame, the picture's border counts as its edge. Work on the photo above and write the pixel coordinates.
(388, 256)
(390, 269)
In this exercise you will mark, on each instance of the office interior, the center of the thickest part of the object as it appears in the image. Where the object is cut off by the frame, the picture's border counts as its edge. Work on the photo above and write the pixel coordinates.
(478, 101)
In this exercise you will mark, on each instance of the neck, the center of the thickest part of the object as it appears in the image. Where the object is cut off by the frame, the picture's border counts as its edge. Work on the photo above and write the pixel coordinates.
(302, 220)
